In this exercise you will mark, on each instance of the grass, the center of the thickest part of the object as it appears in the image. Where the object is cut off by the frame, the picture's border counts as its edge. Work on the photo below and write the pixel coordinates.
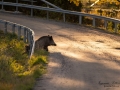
(17, 71)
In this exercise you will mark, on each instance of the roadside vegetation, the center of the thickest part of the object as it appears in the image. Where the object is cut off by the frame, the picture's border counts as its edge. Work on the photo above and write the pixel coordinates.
(17, 71)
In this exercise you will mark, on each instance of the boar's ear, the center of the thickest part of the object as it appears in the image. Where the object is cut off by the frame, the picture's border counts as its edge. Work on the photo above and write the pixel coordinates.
(50, 37)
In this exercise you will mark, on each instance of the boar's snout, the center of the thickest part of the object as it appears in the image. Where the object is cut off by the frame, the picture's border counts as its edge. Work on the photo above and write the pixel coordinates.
(54, 44)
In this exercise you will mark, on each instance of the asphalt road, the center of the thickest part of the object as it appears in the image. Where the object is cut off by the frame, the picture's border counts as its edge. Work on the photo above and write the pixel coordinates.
(84, 58)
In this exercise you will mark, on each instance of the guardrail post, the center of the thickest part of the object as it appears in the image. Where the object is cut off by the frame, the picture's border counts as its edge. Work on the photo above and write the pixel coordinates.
(32, 45)
(105, 23)
(19, 32)
(25, 35)
(2, 5)
(47, 12)
(31, 8)
(13, 28)
(64, 17)
(30, 33)
(5, 25)
(29, 41)
(47, 15)
(93, 22)
(80, 19)
(116, 30)
(16, 6)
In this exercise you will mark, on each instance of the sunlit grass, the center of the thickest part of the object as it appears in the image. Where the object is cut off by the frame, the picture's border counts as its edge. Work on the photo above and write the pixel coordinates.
(17, 71)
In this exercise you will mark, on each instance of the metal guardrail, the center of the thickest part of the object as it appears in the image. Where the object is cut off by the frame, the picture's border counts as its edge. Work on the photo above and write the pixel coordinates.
(64, 12)
(28, 34)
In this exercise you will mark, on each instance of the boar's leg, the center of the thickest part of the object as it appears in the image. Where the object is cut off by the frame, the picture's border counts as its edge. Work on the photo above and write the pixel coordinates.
(27, 49)
(46, 48)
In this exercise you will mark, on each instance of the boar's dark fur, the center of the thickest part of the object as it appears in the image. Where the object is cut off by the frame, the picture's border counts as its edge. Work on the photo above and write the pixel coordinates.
(43, 42)
(27, 48)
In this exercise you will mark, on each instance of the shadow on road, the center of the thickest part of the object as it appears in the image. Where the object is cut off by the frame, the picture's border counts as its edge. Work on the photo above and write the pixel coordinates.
(68, 73)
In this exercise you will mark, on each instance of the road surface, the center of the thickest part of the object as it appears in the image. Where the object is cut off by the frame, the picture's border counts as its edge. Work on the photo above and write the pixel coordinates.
(84, 58)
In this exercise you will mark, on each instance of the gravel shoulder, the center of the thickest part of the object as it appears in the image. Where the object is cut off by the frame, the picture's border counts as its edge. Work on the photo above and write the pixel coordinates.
(84, 58)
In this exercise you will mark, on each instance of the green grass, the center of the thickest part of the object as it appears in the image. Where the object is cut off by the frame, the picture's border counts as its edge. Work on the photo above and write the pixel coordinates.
(17, 71)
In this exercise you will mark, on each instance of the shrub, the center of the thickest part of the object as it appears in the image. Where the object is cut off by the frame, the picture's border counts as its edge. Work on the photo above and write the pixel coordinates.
(17, 71)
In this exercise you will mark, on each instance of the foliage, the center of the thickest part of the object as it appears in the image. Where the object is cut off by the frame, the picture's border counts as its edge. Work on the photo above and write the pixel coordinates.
(86, 20)
(118, 27)
(109, 3)
(66, 4)
(76, 2)
(17, 71)
(111, 26)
